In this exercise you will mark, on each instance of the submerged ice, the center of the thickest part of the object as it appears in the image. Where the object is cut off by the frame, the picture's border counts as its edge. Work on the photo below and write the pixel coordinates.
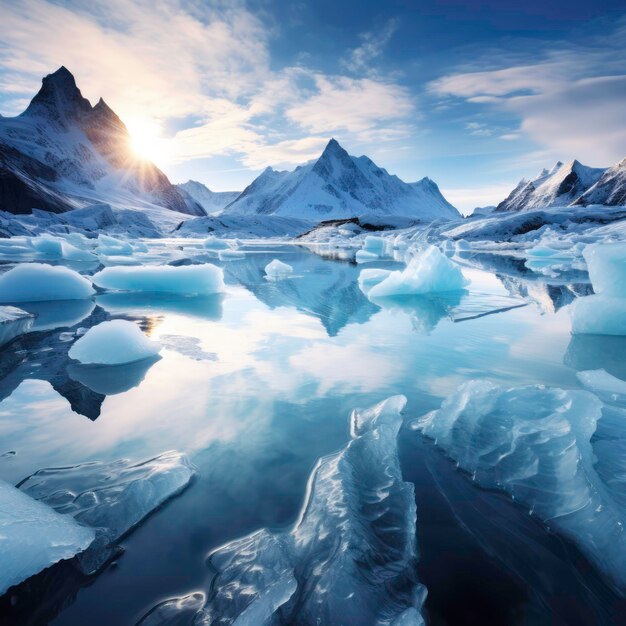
(112, 498)
(557, 452)
(351, 557)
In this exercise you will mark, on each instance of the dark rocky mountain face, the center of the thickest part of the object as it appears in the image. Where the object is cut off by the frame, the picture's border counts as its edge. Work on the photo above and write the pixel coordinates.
(56, 154)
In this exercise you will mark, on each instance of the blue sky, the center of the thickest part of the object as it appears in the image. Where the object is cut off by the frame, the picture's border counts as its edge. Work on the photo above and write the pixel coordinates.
(473, 94)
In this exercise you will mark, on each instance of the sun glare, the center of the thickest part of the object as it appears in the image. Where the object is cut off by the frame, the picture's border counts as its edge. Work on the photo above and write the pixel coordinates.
(147, 142)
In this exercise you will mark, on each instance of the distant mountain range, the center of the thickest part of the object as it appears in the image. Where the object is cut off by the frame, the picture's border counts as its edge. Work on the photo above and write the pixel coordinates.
(569, 185)
(62, 153)
(338, 185)
(213, 202)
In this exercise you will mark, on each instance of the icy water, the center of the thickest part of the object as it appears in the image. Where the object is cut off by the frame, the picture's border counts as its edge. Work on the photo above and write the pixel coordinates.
(254, 386)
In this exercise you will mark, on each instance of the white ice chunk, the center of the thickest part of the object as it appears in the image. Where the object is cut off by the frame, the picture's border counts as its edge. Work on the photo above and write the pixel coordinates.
(606, 264)
(14, 322)
(35, 282)
(599, 314)
(375, 245)
(185, 279)
(109, 246)
(535, 444)
(113, 343)
(603, 313)
(370, 277)
(57, 248)
(34, 536)
(364, 256)
(230, 255)
(277, 270)
(213, 243)
(111, 497)
(429, 272)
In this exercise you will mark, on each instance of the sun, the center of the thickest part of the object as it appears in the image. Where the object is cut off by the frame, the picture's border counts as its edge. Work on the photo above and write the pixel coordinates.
(146, 141)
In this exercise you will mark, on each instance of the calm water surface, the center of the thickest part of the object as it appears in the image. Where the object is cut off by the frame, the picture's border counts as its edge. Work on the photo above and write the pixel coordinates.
(254, 386)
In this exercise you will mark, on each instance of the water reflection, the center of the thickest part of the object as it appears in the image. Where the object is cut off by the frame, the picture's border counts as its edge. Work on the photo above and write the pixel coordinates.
(58, 313)
(109, 380)
(592, 352)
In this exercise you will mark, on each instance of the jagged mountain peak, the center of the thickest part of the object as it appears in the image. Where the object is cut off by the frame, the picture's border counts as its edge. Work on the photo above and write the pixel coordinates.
(59, 98)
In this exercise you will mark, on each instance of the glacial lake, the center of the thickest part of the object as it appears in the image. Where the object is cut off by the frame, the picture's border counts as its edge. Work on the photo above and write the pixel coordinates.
(255, 385)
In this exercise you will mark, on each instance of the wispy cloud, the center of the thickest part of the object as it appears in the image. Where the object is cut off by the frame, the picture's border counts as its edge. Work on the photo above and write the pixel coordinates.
(361, 58)
(570, 100)
(172, 61)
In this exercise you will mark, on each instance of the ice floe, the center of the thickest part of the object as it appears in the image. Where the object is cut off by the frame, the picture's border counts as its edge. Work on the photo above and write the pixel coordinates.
(275, 270)
(556, 452)
(113, 343)
(33, 536)
(112, 498)
(109, 246)
(35, 282)
(213, 243)
(14, 322)
(201, 279)
(429, 272)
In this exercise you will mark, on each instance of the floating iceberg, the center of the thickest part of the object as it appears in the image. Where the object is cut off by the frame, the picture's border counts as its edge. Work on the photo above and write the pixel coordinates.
(202, 279)
(213, 243)
(35, 282)
(113, 498)
(351, 557)
(57, 248)
(429, 272)
(603, 313)
(34, 536)
(536, 444)
(370, 277)
(365, 256)
(606, 264)
(113, 343)
(109, 246)
(277, 270)
(374, 245)
(14, 322)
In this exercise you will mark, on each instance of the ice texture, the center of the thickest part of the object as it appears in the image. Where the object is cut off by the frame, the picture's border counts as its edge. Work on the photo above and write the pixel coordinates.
(429, 272)
(197, 280)
(606, 264)
(56, 248)
(370, 277)
(277, 270)
(607, 387)
(365, 256)
(34, 536)
(350, 559)
(213, 243)
(557, 452)
(109, 246)
(35, 282)
(375, 245)
(603, 313)
(113, 343)
(230, 255)
(14, 322)
(110, 497)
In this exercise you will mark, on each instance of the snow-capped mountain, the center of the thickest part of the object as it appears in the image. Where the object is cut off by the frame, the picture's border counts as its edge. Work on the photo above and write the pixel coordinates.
(211, 201)
(560, 186)
(338, 185)
(61, 153)
(610, 189)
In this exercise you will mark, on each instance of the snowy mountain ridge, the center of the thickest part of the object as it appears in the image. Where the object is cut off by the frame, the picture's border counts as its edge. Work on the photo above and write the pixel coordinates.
(213, 202)
(337, 186)
(61, 153)
(573, 184)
